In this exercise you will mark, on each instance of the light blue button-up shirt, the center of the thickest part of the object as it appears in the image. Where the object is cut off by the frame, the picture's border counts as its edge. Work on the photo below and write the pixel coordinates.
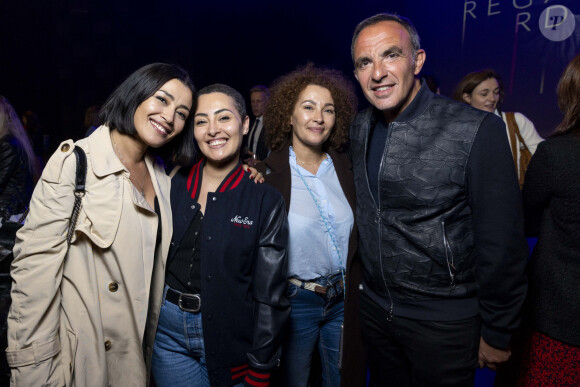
(311, 252)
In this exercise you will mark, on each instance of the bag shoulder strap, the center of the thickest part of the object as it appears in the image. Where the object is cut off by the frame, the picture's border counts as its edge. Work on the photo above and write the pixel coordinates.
(80, 181)
(512, 127)
(514, 130)
(81, 174)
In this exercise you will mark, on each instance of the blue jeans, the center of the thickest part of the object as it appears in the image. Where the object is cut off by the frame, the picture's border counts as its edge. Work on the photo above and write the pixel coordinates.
(312, 321)
(179, 351)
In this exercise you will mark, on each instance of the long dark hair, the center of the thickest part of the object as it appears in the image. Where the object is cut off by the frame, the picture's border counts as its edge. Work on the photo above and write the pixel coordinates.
(569, 97)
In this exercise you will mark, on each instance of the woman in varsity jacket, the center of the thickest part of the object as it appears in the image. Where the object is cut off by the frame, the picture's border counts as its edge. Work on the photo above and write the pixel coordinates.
(224, 302)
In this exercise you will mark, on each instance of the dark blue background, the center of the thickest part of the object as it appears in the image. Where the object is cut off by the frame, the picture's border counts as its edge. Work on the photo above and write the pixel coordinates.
(59, 57)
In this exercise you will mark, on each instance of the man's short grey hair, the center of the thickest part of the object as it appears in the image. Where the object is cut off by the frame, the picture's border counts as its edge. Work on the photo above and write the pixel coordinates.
(260, 89)
(381, 17)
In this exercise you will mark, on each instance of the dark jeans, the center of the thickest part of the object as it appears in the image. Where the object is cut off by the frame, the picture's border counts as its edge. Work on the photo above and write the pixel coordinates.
(314, 322)
(406, 352)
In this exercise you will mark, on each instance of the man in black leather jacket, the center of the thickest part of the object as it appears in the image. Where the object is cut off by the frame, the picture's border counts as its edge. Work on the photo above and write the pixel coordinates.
(440, 220)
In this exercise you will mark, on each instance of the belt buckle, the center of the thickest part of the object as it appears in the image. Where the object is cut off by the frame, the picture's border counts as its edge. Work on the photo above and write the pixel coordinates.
(195, 297)
(330, 293)
(334, 290)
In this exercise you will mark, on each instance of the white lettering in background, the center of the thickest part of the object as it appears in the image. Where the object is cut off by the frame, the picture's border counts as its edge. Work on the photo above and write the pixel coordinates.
(489, 11)
(516, 6)
(522, 22)
(556, 22)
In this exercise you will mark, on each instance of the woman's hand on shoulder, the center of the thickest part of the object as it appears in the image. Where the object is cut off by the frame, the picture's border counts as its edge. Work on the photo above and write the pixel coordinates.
(254, 174)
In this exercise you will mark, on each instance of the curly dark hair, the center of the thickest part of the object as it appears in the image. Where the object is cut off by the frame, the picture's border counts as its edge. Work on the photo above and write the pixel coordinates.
(285, 92)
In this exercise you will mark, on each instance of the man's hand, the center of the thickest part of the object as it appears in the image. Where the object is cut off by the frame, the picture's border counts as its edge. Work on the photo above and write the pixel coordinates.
(251, 159)
(490, 356)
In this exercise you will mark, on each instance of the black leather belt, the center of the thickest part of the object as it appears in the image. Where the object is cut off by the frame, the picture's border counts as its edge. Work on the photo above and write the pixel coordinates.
(186, 302)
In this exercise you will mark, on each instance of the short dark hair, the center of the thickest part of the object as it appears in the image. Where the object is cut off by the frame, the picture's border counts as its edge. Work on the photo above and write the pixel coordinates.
(285, 93)
(469, 82)
(119, 110)
(382, 17)
(239, 102)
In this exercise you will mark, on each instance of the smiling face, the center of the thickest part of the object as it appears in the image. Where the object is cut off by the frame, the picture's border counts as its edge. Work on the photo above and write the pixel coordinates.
(219, 129)
(385, 67)
(313, 117)
(485, 96)
(162, 116)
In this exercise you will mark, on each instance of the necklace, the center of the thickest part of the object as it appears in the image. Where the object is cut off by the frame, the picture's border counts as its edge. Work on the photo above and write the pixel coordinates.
(140, 187)
(302, 163)
(327, 224)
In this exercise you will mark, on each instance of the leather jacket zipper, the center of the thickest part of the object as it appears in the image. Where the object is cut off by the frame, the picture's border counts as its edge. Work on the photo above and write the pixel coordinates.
(448, 253)
(380, 224)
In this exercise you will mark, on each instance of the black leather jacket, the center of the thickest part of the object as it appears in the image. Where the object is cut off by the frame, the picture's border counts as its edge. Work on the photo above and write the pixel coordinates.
(243, 270)
(422, 242)
(15, 178)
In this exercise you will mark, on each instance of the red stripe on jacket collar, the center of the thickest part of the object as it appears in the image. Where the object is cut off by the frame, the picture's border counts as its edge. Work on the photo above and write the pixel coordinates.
(194, 172)
(231, 181)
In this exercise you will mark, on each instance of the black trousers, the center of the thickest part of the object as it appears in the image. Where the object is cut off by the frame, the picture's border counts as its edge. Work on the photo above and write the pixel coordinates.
(407, 352)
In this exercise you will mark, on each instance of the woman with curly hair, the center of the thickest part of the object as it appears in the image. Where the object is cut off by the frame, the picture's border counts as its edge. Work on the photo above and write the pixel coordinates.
(307, 121)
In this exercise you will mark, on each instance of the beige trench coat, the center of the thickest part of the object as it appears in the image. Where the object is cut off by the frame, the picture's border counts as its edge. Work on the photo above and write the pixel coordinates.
(80, 320)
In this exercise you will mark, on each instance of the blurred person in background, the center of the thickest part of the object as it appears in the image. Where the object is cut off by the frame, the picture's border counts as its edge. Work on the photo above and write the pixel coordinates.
(91, 122)
(484, 90)
(551, 198)
(38, 138)
(254, 144)
(18, 165)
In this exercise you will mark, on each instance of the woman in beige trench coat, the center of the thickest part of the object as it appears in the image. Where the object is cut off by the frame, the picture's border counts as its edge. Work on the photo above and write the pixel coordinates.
(78, 318)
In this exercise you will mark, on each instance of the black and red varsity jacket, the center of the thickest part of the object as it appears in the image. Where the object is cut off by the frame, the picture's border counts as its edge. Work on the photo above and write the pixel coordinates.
(243, 272)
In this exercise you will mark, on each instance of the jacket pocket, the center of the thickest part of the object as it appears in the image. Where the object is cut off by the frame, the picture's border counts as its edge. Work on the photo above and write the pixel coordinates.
(69, 350)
